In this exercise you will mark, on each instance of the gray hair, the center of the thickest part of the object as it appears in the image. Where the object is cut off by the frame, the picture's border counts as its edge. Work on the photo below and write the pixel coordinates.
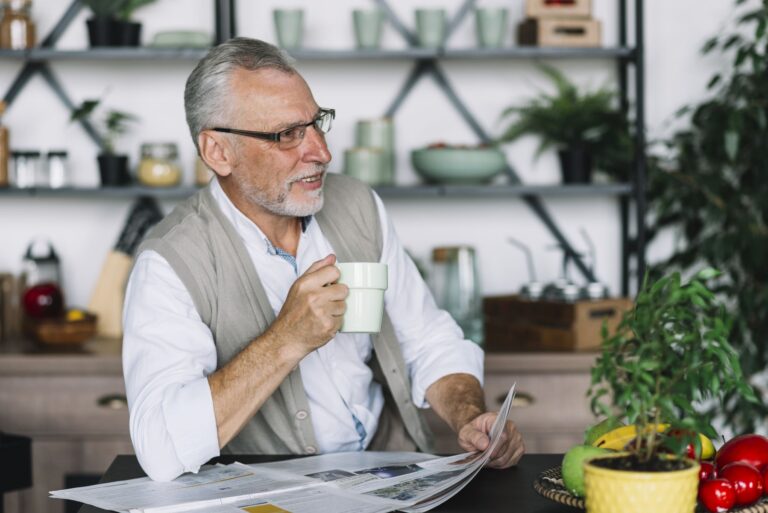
(207, 89)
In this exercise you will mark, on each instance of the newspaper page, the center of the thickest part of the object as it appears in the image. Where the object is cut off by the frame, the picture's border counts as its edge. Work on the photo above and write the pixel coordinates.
(354, 482)
(211, 486)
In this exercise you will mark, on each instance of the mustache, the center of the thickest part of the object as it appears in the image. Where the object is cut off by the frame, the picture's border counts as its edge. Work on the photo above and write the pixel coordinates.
(318, 169)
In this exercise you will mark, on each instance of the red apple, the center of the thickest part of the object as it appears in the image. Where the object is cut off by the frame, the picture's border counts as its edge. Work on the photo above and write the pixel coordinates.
(706, 471)
(717, 495)
(746, 479)
(752, 449)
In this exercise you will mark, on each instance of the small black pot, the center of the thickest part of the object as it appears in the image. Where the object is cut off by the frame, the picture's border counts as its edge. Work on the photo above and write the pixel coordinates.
(130, 33)
(576, 164)
(113, 170)
(104, 31)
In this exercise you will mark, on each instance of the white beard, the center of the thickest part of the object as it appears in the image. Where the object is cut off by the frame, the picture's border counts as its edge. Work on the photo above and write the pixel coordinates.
(283, 204)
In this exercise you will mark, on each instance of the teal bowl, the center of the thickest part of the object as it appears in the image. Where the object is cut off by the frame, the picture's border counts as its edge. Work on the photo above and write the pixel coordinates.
(449, 165)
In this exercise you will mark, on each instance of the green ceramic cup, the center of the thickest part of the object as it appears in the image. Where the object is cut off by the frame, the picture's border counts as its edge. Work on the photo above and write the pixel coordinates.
(491, 26)
(289, 27)
(367, 165)
(368, 25)
(367, 282)
(430, 27)
(379, 133)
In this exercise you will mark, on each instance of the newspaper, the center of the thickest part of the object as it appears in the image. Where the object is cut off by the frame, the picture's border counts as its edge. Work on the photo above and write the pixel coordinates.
(352, 482)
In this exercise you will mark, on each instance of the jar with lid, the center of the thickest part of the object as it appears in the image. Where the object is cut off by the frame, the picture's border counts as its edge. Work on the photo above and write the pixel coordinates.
(56, 167)
(17, 30)
(25, 169)
(159, 166)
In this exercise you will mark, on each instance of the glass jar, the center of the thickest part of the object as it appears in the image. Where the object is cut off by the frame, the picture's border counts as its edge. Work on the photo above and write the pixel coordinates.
(455, 283)
(25, 169)
(159, 166)
(17, 30)
(56, 164)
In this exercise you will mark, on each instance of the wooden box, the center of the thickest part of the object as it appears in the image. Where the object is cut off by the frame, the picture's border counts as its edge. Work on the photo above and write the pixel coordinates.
(561, 33)
(513, 323)
(558, 8)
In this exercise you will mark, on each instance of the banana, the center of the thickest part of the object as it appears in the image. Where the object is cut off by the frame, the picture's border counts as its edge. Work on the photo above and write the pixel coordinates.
(618, 439)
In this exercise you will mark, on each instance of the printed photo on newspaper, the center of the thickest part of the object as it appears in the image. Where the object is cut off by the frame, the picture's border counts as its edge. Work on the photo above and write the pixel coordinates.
(350, 482)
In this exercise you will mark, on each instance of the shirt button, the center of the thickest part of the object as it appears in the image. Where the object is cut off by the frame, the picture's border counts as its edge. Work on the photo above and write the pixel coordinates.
(301, 415)
(310, 449)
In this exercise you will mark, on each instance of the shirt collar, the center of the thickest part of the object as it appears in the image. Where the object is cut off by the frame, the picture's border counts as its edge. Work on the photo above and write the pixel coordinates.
(242, 224)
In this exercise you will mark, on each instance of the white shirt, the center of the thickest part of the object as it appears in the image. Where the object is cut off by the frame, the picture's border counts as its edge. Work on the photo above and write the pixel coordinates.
(168, 351)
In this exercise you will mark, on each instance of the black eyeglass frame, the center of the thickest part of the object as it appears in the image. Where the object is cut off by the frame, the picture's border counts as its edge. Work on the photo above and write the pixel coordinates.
(275, 136)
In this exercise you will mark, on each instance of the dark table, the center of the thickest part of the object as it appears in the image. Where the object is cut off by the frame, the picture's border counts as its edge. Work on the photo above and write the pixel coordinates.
(510, 490)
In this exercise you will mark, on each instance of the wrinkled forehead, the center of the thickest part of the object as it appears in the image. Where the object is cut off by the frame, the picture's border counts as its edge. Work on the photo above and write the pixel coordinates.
(269, 99)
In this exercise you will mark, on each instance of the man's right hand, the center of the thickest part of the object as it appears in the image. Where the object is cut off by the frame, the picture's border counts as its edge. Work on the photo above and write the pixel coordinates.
(314, 309)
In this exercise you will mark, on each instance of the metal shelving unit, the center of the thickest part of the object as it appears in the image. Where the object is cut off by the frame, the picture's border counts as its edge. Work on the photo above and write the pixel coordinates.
(426, 62)
(404, 191)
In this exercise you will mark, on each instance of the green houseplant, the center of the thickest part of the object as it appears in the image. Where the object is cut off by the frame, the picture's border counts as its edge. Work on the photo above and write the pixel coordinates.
(585, 128)
(111, 23)
(670, 352)
(708, 185)
(113, 168)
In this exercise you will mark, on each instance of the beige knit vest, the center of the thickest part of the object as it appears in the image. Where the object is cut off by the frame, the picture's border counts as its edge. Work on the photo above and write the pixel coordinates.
(207, 254)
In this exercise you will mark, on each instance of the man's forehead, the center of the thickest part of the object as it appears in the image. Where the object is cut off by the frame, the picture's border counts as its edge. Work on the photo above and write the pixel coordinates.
(280, 93)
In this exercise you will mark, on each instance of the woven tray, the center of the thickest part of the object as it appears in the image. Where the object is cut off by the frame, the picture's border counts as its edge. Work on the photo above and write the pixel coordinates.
(549, 484)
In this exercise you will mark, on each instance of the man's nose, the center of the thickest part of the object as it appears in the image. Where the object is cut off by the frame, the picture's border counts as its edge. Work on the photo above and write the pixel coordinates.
(315, 147)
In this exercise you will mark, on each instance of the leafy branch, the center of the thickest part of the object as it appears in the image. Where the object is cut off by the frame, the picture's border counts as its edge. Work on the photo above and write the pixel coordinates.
(670, 352)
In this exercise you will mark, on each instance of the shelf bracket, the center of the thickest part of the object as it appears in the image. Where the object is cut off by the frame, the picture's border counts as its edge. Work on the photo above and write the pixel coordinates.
(30, 68)
(413, 77)
(397, 23)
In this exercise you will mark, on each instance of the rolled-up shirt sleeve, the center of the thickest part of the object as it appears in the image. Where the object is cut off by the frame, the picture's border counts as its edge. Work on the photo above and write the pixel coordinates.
(168, 352)
(433, 345)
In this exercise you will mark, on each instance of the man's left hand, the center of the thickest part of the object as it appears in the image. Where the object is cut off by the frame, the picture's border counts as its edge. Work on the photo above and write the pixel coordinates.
(474, 436)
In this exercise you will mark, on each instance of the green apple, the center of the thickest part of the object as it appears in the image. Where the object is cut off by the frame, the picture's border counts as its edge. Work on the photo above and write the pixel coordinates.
(593, 433)
(573, 466)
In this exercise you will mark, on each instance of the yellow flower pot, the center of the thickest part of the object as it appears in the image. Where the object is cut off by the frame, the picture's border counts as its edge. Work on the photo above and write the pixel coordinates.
(622, 491)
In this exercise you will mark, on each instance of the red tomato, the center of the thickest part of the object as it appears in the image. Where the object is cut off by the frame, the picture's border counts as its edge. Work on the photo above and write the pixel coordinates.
(717, 495)
(707, 471)
(746, 479)
(752, 449)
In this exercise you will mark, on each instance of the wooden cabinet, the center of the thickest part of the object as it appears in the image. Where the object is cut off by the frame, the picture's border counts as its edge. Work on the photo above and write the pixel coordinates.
(73, 408)
(551, 409)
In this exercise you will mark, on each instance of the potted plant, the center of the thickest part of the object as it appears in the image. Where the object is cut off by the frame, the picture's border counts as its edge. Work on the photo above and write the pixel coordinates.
(586, 128)
(131, 30)
(669, 353)
(111, 23)
(113, 168)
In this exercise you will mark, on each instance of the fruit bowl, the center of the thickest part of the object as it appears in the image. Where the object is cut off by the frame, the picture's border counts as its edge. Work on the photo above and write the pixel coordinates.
(549, 484)
(439, 163)
(72, 328)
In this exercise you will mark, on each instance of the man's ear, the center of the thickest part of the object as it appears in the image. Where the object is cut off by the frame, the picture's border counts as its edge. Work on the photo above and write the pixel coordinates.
(216, 152)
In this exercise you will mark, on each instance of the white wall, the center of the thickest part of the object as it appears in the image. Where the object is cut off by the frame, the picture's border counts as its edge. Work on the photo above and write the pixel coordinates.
(83, 229)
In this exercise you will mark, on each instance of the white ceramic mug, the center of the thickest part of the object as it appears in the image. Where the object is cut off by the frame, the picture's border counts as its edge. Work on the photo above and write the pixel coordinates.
(367, 282)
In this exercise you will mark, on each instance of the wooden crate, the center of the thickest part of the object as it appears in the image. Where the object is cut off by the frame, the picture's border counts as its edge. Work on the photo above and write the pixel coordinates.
(513, 323)
(562, 33)
(558, 8)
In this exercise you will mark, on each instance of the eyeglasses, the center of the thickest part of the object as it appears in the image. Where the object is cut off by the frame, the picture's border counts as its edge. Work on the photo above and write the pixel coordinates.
(290, 137)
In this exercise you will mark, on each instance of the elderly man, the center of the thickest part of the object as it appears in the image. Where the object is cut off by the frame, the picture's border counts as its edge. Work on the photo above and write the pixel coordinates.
(232, 312)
